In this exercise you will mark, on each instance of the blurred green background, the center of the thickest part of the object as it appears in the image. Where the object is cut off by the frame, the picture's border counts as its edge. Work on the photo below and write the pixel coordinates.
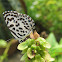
(47, 15)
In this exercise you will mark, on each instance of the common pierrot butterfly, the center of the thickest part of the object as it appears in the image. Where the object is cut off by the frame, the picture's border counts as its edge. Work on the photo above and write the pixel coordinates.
(20, 25)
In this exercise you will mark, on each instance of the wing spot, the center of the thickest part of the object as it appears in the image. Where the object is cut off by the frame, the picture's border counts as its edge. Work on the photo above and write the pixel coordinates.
(11, 25)
(10, 19)
(23, 31)
(26, 27)
(21, 18)
(17, 24)
(24, 34)
(17, 30)
(13, 28)
(26, 31)
(16, 21)
(29, 20)
(15, 15)
(19, 34)
(14, 33)
(20, 28)
(26, 23)
(23, 22)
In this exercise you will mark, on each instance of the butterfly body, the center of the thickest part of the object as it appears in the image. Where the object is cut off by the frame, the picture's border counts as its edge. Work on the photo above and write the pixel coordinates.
(20, 25)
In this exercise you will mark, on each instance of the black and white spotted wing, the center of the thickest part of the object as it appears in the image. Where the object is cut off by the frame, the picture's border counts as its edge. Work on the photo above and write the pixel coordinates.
(20, 25)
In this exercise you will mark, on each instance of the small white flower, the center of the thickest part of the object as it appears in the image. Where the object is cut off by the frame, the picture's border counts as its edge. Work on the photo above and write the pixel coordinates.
(35, 3)
(37, 15)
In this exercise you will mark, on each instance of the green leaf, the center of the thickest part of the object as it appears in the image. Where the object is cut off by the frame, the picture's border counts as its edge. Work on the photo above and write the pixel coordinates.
(47, 57)
(24, 57)
(22, 46)
(33, 46)
(59, 58)
(52, 40)
(3, 43)
(24, 51)
(38, 58)
(28, 60)
(57, 50)
(60, 42)
(38, 48)
(30, 41)
(29, 53)
(25, 44)
(42, 53)
(16, 6)
(43, 42)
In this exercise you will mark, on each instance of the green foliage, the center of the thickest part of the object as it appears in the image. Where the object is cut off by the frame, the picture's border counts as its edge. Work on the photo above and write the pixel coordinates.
(47, 12)
(16, 5)
(56, 48)
(1, 7)
(3, 43)
(4, 32)
(35, 50)
(59, 58)
(52, 40)
(60, 42)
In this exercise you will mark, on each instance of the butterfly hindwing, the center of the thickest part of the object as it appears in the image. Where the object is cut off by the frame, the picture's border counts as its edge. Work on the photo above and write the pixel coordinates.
(20, 25)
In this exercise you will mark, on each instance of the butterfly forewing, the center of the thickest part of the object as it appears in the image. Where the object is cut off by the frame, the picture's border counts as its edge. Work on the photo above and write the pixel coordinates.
(20, 25)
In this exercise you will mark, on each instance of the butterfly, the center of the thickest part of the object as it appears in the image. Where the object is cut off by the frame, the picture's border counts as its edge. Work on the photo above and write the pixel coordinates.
(20, 25)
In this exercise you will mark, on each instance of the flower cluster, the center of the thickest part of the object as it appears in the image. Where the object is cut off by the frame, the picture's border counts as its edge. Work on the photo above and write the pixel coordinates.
(35, 49)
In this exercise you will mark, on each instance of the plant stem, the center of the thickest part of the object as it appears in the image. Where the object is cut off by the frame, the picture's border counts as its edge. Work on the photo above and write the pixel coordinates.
(5, 54)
